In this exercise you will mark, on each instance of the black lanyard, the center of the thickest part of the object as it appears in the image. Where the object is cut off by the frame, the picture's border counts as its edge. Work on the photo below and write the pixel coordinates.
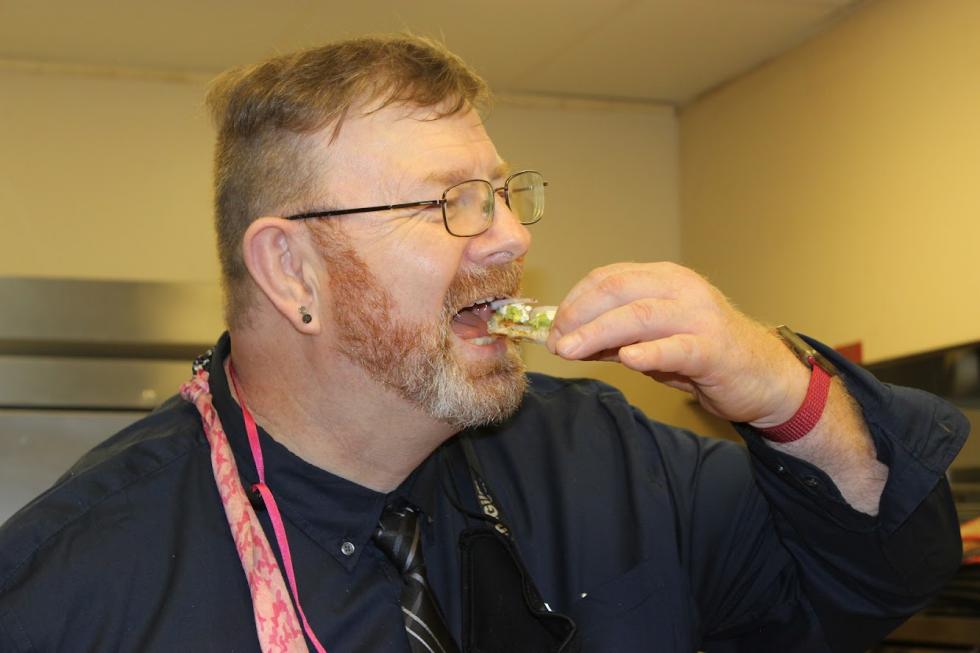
(503, 612)
(483, 496)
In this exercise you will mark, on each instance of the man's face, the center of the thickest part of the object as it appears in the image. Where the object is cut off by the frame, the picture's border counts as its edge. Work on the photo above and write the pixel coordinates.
(401, 284)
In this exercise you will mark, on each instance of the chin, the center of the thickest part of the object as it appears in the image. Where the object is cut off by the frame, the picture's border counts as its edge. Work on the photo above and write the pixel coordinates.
(481, 393)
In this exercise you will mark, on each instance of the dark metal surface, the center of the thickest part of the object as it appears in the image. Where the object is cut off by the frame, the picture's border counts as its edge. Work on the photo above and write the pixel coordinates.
(69, 317)
(89, 383)
(951, 372)
(108, 345)
(948, 631)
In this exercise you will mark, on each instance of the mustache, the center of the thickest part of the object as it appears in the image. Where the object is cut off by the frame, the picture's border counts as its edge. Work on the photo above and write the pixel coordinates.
(471, 285)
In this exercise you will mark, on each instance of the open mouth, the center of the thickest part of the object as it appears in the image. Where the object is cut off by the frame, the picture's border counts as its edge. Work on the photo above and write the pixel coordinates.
(470, 322)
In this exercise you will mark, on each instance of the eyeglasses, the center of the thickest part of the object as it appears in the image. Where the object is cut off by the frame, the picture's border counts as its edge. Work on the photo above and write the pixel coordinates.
(467, 207)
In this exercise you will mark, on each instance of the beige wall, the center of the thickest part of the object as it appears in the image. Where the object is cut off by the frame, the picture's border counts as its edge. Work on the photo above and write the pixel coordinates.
(109, 178)
(836, 188)
(104, 178)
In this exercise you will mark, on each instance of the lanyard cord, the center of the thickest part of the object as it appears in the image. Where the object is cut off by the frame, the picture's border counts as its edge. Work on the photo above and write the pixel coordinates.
(451, 492)
(270, 504)
(483, 495)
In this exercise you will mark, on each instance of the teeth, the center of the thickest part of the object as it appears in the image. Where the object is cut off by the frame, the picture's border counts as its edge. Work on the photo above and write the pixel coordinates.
(483, 340)
(485, 300)
(504, 301)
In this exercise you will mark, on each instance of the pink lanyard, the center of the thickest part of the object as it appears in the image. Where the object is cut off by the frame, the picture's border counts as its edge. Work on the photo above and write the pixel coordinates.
(270, 504)
(275, 621)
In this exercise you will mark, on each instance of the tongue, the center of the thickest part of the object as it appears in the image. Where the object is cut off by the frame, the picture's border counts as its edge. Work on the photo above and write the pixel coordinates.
(472, 322)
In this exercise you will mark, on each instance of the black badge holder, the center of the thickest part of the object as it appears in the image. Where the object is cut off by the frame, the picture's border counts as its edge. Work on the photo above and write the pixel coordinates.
(503, 612)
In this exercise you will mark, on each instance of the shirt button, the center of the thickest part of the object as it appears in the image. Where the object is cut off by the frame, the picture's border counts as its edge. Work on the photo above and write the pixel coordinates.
(780, 469)
(347, 548)
(811, 481)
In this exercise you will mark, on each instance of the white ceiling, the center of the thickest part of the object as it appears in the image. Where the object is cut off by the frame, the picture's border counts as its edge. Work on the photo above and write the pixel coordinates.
(641, 50)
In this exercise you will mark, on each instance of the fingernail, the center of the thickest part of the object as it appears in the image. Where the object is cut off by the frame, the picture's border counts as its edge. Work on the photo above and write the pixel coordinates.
(569, 344)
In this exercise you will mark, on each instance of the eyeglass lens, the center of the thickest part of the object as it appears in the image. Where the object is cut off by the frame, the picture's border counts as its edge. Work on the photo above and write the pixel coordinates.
(469, 206)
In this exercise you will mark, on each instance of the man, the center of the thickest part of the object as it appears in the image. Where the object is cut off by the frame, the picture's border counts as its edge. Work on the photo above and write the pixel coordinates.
(357, 420)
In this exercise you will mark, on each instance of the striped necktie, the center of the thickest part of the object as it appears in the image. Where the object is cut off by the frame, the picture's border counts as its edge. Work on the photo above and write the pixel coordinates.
(399, 537)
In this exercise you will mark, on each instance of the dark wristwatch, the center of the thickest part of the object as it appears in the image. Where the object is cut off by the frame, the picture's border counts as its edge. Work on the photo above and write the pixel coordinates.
(807, 354)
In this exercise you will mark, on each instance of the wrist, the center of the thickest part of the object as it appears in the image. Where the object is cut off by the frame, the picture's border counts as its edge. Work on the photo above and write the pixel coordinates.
(792, 383)
(808, 414)
(802, 409)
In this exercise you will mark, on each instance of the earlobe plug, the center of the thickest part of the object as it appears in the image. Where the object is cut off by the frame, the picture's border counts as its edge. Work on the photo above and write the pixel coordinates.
(307, 318)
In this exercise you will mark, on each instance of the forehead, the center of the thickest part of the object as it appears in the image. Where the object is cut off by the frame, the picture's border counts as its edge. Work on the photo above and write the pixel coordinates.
(411, 146)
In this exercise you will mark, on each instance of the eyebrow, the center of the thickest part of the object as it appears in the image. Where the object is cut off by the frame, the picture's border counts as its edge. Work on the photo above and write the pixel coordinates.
(452, 177)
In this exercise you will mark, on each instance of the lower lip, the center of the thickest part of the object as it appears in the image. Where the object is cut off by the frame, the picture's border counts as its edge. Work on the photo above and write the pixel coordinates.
(487, 344)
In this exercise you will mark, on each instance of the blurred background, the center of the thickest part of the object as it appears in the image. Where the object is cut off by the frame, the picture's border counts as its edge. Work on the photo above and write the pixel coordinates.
(816, 159)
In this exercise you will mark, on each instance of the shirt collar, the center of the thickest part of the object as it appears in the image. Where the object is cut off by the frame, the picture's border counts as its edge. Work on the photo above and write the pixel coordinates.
(329, 509)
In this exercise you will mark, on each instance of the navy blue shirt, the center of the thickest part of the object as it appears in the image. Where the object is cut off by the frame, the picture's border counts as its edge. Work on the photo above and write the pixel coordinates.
(647, 536)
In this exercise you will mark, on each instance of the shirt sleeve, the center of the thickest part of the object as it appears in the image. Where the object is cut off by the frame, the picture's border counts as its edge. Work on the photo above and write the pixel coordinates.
(854, 577)
(12, 635)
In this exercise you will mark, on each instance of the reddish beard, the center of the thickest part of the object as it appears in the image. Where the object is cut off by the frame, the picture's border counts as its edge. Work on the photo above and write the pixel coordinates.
(418, 361)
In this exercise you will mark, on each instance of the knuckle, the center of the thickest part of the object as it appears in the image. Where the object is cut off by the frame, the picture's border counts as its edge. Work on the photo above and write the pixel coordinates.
(566, 319)
(588, 332)
(688, 348)
(644, 312)
(682, 271)
(633, 355)
(612, 268)
(669, 270)
(596, 275)
(612, 284)
(674, 268)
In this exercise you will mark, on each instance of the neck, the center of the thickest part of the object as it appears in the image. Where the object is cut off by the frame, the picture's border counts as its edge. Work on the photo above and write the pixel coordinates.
(331, 413)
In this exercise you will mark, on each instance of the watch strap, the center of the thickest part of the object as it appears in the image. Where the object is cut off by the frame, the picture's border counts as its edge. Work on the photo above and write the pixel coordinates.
(809, 413)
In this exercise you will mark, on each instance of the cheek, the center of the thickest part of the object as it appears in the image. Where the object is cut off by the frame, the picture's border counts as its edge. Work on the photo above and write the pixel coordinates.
(419, 275)
(434, 275)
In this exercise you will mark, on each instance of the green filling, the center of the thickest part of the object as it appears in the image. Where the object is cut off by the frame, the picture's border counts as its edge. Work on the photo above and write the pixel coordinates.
(540, 321)
(515, 312)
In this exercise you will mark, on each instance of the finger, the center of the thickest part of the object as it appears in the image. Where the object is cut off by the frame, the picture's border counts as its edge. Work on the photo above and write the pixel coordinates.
(611, 286)
(673, 380)
(667, 275)
(606, 356)
(570, 314)
(594, 277)
(682, 354)
(637, 321)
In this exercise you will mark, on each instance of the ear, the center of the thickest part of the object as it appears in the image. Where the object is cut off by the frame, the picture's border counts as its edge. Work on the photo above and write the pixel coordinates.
(282, 263)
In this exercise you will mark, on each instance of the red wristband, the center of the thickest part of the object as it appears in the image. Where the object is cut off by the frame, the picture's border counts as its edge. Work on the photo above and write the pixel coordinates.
(808, 414)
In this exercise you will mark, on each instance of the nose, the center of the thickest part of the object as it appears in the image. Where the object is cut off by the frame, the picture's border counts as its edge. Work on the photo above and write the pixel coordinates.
(506, 240)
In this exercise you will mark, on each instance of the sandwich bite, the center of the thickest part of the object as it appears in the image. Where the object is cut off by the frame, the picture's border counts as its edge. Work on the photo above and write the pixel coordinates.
(518, 319)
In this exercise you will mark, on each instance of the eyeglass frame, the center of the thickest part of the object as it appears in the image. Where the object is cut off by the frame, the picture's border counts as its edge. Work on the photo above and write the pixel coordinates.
(440, 203)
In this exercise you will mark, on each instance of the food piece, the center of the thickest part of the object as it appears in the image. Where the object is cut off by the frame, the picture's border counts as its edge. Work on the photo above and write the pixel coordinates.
(519, 320)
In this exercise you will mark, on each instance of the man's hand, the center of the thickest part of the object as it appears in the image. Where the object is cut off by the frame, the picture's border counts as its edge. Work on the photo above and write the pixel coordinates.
(668, 322)
(671, 324)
